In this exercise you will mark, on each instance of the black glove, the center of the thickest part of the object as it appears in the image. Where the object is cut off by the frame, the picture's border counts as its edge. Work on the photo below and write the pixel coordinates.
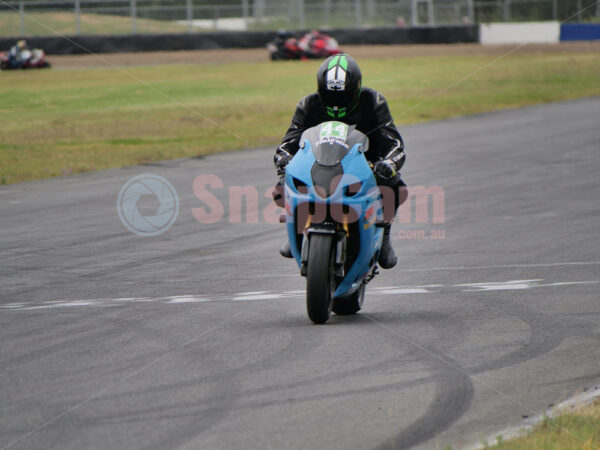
(282, 159)
(278, 195)
(385, 169)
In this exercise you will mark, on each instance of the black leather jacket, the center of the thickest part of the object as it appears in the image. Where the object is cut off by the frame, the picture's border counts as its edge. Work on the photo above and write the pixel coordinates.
(371, 117)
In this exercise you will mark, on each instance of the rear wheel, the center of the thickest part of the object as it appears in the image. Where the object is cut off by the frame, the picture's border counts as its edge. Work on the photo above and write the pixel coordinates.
(351, 304)
(320, 277)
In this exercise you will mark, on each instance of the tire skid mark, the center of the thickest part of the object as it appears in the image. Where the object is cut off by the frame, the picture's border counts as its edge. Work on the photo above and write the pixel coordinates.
(453, 391)
(547, 332)
(453, 395)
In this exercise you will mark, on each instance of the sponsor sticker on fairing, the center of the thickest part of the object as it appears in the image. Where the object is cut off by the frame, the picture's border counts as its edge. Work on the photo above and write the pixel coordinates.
(333, 133)
(338, 130)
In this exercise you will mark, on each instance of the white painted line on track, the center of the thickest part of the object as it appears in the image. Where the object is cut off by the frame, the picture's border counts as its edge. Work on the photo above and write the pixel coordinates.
(404, 291)
(66, 304)
(263, 296)
(569, 283)
(505, 266)
(188, 299)
(290, 295)
(516, 285)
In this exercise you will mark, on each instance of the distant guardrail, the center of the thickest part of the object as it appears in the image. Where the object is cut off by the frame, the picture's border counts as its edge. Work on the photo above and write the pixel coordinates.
(494, 33)
(243, 39)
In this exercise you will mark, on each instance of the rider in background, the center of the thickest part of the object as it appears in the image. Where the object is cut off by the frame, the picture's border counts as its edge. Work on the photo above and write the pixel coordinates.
(341, 97)
(19, 53)
(315, 44)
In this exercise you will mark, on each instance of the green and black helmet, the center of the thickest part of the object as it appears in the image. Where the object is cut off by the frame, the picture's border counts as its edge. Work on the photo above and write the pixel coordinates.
(339, 81)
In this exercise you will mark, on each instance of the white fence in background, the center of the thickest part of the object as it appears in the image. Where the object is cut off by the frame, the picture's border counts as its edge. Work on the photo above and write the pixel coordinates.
(519, 33)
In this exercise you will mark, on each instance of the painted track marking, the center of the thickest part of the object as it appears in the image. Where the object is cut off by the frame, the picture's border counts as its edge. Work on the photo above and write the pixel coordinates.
(287, 295)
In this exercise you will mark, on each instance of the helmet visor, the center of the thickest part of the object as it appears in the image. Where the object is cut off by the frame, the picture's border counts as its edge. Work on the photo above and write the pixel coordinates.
(340, 99)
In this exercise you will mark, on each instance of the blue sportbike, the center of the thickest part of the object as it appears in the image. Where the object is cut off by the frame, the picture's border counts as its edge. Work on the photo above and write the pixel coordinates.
(334, 218)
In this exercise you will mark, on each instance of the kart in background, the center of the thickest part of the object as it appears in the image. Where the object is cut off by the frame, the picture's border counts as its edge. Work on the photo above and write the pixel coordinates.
(29, 59)
(313, 45)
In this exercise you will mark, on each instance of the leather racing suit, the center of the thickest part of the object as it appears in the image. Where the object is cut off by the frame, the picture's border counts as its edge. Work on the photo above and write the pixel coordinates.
(371, 116)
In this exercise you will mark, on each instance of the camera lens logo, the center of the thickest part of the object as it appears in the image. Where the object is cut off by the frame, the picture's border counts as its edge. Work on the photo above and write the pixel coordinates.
(154, 220)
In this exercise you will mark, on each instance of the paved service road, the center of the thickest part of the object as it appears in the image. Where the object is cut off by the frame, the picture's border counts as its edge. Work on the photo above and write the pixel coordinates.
(198, 337)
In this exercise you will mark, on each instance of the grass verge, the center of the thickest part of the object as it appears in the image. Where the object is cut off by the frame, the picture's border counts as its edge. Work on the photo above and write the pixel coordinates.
(49, 23)
(57, 122)
(576, 430)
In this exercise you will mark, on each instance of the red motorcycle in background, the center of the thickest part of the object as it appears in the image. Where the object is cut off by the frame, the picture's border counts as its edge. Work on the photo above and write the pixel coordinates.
(313, 45)
(28, 59)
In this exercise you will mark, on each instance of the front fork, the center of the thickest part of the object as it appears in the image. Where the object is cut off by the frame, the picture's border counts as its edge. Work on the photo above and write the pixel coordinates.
(340, 247)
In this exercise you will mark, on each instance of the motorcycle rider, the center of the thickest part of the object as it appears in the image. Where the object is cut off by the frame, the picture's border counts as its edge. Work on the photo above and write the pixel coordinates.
(341, 97)
(285, 44)
(17, 53)
(317, 45)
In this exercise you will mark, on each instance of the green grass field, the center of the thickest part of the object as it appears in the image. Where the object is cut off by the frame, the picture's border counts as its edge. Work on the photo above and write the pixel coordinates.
(50, 23)
(578, 430)
(56, 122)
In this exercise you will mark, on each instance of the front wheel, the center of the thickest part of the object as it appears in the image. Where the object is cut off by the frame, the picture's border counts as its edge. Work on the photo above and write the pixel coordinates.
(320, 277)
(351, 304)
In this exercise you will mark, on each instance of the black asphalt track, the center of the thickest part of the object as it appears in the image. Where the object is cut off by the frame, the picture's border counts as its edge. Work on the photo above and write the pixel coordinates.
(198, 337)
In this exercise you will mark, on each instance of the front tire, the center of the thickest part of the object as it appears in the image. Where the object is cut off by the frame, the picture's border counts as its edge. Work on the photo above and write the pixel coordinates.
(320, 277)
(350, 305)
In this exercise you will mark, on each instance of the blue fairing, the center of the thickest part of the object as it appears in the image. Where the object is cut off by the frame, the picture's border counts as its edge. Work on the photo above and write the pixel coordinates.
(366, 202)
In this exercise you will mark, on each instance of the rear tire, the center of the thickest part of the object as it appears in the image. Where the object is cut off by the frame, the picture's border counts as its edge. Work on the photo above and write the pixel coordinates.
(349, 305)
(320, 278)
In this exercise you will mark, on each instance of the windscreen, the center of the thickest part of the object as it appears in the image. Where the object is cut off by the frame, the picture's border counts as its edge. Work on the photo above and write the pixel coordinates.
(331, 141)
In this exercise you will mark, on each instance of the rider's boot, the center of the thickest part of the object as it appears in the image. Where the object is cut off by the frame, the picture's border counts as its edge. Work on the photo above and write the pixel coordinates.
(387, 257)
(285, 250)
